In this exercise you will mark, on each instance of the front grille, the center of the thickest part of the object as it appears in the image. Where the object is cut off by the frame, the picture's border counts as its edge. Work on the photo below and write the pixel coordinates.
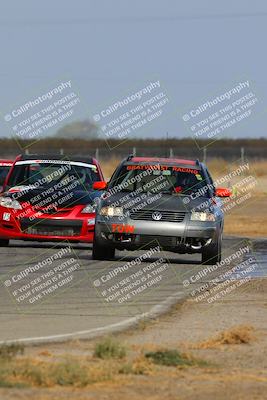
(166, 216)
(48, 231)
(153, 241)
(51, 227)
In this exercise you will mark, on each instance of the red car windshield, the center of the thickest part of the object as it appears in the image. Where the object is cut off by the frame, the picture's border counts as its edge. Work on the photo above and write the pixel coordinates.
(43, 174)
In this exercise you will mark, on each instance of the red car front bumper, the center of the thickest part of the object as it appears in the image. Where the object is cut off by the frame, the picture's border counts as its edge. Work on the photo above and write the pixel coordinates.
(65, 224)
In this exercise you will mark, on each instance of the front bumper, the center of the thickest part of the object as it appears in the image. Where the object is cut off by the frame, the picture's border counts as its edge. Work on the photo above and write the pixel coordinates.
(47, 229)
(186, 236)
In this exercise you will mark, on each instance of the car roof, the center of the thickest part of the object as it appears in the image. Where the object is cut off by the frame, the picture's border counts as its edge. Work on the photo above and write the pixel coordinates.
(4, 162)
(89, 160)
(163, 160)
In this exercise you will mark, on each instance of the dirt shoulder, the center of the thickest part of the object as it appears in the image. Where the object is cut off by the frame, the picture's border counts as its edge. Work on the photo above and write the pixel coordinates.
(233, 364)
(250, 219)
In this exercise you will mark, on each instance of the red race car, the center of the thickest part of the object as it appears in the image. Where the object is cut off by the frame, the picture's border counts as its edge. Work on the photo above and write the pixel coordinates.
(4, 168)
(45, 198)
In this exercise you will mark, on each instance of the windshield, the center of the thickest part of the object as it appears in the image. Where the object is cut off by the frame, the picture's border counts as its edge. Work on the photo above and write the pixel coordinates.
(158, 179)
(43, 174)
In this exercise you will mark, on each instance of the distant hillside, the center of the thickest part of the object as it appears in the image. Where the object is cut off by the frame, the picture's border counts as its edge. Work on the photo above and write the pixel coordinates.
(78, 130)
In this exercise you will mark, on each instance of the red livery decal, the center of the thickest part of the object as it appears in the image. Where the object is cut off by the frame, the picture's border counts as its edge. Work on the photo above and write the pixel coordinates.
(183, 169)
(120, 228)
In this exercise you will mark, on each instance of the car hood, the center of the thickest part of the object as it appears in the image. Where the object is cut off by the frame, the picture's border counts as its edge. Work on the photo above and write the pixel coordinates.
(163, 202)
(27, 194)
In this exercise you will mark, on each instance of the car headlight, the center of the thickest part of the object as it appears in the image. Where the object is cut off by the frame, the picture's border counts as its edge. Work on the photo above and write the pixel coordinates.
(89, 208)
(202, 216)
(10, 203)
(111, 211)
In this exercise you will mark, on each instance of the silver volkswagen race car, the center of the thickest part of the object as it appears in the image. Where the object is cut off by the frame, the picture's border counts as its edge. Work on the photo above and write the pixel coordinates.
(168, 201)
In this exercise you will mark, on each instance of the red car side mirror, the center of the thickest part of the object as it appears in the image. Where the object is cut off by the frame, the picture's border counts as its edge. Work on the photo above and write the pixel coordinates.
(223, 192)
(100, 185)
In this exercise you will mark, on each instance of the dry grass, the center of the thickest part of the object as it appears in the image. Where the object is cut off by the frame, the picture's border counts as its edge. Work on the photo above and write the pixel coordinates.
(10, 351)
(241, 334)
(45, 353)
(259, 168)
(250, 219)
(81, 371)
(109, 166)
(237, 224)
(72, 371)
(219, 165)
(139, 366)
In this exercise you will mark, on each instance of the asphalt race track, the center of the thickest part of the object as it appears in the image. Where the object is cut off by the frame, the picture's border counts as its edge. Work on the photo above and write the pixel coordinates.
(75, 296)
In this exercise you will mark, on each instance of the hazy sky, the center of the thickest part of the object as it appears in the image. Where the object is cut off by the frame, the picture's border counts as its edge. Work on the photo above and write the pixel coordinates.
(111, 48)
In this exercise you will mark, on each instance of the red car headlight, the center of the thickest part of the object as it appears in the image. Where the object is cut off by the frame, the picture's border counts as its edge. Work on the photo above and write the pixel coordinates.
(89, 208)
(10, 203)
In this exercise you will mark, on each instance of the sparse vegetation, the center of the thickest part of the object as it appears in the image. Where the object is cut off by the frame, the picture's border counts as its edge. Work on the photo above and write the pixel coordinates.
(140, 366)
(109, 348)
(173, 358)
(241, 334)
(9, 351)
(71, 372)
(81, 371)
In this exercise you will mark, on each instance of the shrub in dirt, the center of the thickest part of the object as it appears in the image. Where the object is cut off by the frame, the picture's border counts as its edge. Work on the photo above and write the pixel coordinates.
(109, 348)
(172, 358)
(9, 351)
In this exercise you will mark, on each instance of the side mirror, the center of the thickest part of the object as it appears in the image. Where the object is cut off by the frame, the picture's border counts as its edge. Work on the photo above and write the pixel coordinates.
(223, 192)
(100, 185)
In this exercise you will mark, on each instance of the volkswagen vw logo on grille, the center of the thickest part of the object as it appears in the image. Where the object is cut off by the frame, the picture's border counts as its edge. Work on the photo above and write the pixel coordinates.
(156, 216)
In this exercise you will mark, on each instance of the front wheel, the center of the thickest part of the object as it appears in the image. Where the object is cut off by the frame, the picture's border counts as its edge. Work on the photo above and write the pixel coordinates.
(101, 252)
(4, 242)
(212, 254)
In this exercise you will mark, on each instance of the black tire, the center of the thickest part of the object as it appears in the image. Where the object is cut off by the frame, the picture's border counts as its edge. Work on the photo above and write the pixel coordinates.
(212, 254)
(101, 252)
(4, 242)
